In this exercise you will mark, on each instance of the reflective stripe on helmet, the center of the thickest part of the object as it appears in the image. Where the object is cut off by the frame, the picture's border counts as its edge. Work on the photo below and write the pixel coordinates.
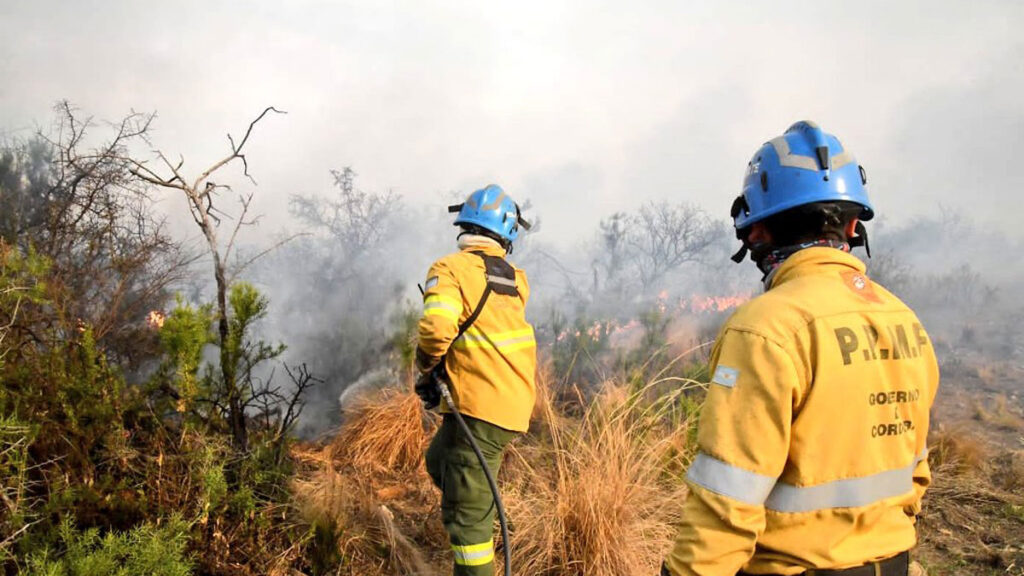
(786, 158)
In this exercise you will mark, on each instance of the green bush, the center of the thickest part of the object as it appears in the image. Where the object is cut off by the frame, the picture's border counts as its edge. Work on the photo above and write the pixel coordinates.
(152, 550)
(185, 333)
(15, 511)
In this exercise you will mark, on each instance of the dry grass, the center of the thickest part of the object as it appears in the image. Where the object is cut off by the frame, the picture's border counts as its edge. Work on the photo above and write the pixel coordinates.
(405, 554)
(366, 496)
(598, 499)
(352, 528)
(970, 525)
(1009, 471)
(956, 450)
(386, 433)
(596, 488)
(999, 414)
(596, 496)
(987, 374)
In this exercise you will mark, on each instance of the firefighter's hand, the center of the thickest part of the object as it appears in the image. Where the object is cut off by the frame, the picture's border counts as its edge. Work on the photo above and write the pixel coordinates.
(427, 390)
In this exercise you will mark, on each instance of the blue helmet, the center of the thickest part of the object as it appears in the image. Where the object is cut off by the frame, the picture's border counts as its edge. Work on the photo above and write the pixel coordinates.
(493, 210)
(802, 166)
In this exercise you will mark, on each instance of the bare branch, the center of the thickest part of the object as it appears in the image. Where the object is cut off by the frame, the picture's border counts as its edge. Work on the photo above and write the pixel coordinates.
(245, 139)
(245, 201)
(263, 253)
(303, 381)
(236, 151)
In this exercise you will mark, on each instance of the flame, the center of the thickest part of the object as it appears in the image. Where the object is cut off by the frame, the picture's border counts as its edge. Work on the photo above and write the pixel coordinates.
(703, 304)
(696, 304)
(155, 319)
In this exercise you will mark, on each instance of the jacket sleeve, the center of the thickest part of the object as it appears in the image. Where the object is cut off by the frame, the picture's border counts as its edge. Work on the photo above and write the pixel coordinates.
(523, 285)
(922, 472)
(922, 478)
(442, 309)
(743, 442)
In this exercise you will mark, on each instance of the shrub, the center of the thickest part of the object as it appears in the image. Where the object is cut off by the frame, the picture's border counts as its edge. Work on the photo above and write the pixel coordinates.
(153, 550)
(15, 438)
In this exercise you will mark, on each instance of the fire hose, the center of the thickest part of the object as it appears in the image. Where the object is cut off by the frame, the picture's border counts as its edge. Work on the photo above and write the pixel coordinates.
(446, 394)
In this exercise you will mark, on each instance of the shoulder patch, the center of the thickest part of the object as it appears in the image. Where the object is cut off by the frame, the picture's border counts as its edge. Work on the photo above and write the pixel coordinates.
(725, 376)
(861, 285)
(431, 282)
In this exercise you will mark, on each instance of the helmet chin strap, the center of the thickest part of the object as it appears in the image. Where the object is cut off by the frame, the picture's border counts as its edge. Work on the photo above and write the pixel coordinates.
(740, 254)
(758, 252)
(861, 239)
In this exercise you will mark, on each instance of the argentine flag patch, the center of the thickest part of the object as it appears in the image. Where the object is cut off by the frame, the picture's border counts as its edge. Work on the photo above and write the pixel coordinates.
(725, 376)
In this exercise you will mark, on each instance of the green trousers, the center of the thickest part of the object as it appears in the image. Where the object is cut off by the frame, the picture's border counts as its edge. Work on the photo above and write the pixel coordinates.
(467, 506)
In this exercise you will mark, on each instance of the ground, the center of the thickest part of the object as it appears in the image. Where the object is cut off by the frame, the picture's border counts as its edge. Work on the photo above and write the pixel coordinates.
(369, 490)
(973, 520)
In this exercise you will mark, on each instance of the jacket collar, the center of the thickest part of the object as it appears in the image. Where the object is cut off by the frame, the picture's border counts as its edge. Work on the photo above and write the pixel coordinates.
(475, 243)
(810, 261)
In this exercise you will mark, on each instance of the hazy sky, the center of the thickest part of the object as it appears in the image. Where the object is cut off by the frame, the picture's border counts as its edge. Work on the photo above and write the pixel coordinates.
(584, 107)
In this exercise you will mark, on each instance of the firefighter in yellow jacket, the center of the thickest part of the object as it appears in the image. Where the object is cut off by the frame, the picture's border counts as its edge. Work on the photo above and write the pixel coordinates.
(475, 336)
(812, 456)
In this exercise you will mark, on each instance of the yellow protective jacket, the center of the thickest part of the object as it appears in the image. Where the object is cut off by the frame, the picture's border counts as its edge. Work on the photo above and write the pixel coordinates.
(492, 366)
(812, 440)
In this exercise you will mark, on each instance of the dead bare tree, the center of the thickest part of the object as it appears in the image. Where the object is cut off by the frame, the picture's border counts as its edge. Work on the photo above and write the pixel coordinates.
(201, 194)
(889, 269)
(355, 220)
(663, 236)
(612, 253)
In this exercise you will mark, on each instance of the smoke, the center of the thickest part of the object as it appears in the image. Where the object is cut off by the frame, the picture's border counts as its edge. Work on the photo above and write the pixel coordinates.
(342, 294)
(589, 113)
(348, 311)
(344, 298)
(961, 277)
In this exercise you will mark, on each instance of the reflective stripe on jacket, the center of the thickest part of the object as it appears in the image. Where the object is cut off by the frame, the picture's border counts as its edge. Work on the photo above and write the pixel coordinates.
(492, 366)
(812, 440)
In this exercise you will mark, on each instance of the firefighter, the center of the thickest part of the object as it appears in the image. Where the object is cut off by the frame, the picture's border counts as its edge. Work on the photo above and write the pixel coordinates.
(812, 456)
(474, 333)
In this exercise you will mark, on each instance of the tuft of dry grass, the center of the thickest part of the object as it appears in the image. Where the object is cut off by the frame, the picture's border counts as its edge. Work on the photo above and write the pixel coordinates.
(598, 499)
(365, 495)
(385, 433)
(350, 526)
(987, 374)
(405, 555)
(1009, 471)
(999, 415)
(956, 450)
(323, 498)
